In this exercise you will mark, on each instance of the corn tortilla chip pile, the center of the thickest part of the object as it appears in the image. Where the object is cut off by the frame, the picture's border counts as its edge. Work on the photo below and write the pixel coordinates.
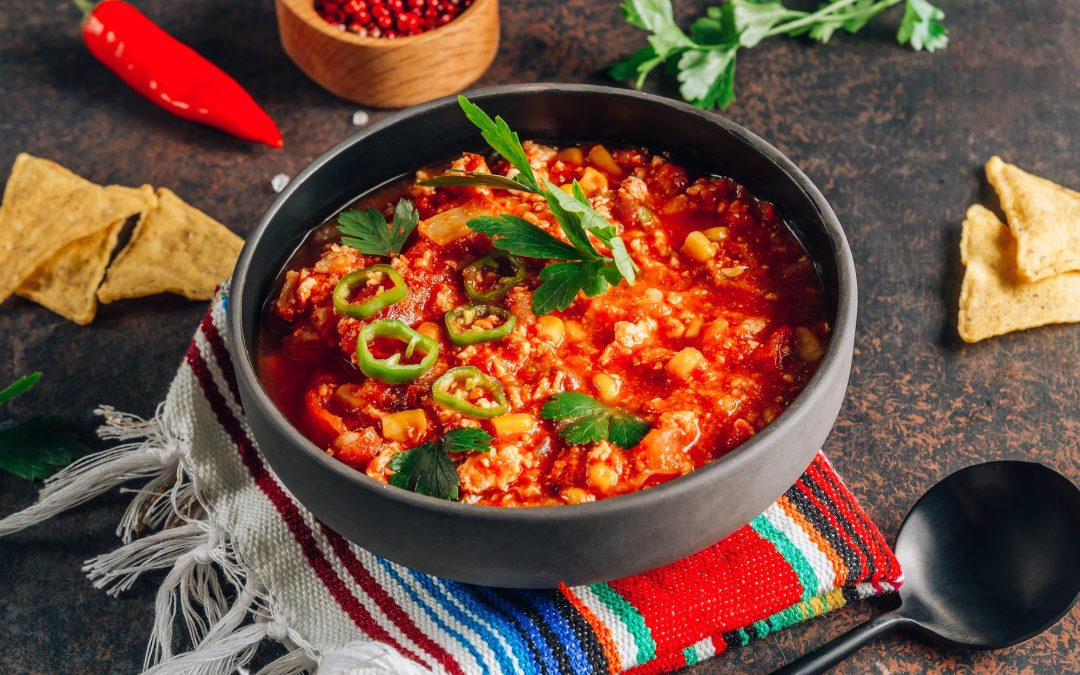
(1027, 273)
(58, 232)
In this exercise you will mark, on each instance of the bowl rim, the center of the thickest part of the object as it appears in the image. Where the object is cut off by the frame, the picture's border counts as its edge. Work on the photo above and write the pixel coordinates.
(835, 361)
(305, 11)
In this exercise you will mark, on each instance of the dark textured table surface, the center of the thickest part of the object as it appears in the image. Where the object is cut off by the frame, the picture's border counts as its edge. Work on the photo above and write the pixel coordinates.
(894, 139)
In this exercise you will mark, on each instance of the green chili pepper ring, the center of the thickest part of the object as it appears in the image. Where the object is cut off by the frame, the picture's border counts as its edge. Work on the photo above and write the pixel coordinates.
(362, 310)
(467, 378)
(496, 260)
(391, 370)
(460, 324)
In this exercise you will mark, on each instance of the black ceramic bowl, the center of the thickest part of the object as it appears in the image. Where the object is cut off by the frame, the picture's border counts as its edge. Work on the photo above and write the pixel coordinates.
(539, 547)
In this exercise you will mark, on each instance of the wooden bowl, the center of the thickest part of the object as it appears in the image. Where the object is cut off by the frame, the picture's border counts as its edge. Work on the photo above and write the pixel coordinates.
(391, 73)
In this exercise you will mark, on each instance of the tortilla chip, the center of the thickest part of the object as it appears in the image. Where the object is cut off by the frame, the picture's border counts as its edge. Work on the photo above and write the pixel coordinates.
(994, 299)
(1044, 218)
(68, 282)
(176, 249)
(45, 208)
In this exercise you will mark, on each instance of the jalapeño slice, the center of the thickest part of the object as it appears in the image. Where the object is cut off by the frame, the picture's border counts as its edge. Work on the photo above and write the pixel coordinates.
(384, 297)
(508, 272)
(475, 323)
(455, 388)
(390, 369)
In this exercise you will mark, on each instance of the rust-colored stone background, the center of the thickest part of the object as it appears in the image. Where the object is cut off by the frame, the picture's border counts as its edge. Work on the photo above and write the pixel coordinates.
(895, 140)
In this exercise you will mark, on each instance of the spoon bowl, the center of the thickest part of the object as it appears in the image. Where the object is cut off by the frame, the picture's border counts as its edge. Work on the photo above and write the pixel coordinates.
(991, 557)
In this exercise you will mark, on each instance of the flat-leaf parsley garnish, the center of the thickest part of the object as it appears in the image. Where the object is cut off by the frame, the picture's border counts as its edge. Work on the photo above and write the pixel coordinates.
(583, 268)
(35, 448)
(590, 421)
(368, 232)
(704, 60)
(428, 470)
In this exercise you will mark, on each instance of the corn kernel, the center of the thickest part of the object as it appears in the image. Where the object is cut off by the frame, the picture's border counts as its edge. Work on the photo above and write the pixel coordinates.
(685, 362)
(550, 328)
(430, 329)
(513, 424)
(407, 426)
(808, 346)
(607, 387)
(693, 329)
(602, 477)
(575, 495)
(575, 331)
(716, 233)
(593, 182)
(732, 272)
(600, 156)
(572, 155)
(698, 247)
(568, 188)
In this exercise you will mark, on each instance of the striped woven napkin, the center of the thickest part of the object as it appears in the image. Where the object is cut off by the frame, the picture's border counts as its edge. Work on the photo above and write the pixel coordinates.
(245, 562)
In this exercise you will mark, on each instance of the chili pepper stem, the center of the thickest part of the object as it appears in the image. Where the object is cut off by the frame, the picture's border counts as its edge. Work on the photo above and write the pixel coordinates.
(85, 6)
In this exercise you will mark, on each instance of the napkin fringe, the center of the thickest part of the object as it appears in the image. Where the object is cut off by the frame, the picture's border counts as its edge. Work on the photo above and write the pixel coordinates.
(96, 474)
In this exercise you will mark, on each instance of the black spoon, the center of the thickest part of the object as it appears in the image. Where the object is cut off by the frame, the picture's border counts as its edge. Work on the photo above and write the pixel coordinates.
(991, 557)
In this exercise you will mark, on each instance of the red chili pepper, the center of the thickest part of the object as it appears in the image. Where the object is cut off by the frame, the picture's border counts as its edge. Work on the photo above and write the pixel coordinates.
(171, 74)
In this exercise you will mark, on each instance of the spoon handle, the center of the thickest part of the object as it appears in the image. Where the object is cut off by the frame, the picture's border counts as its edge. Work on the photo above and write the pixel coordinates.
(833, 652)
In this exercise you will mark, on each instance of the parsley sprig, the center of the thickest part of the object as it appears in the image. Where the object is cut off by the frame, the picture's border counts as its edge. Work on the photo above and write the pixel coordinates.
(35, 448)
(581, 268)
(368, 232)
(704, 60)
(590, 421)
(428, 470)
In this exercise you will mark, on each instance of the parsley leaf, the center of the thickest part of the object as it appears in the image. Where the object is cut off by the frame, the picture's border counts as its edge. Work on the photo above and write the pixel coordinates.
(425, 470)
(461, 178)
(922, 27)
(501, 139)
(520, 237)
(586, 270)
(465, 439)
(563, 280)
(368, 232)
(590, 421)
(35, 448)
(704, 60)
(428, 470)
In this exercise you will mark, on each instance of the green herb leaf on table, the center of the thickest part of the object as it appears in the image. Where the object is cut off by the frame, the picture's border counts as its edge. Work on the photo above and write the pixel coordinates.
(704, 60)
(368, 232)
(35, 448)
(922, 27)
(19, 387)
(428, 470)
(590, 421)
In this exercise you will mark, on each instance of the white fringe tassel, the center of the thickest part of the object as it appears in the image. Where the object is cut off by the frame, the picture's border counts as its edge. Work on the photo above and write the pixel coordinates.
(98, 473)
(226, 611)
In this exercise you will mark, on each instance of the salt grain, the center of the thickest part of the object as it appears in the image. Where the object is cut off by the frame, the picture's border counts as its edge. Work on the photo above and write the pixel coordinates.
(279, 182)
(360, 118)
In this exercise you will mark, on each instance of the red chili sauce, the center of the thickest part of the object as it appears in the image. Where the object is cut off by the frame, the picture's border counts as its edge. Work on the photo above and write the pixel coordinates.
(722, 329)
